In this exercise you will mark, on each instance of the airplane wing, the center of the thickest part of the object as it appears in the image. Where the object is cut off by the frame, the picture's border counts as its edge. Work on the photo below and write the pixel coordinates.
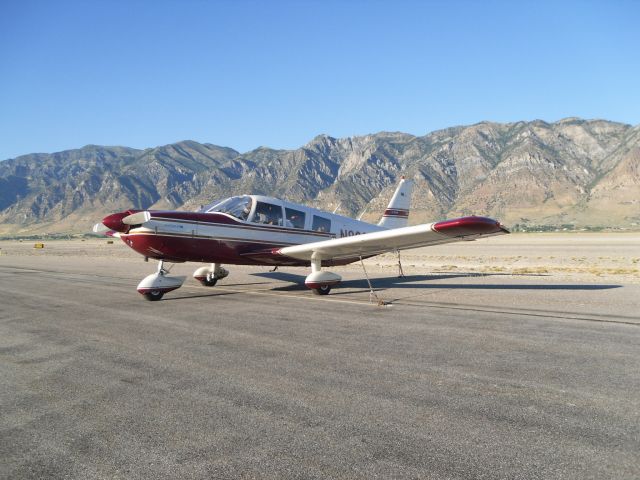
(466, 228)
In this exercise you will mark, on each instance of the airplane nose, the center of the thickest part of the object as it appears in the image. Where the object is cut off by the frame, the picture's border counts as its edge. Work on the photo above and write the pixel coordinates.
(114, 222)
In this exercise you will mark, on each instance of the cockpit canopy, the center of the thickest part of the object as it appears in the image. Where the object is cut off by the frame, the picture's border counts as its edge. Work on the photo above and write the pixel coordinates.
(270, 211)
(239, 207)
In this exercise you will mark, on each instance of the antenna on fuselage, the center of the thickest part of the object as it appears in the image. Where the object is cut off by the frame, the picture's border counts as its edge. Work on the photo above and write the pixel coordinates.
(364, 211)
(337, 208)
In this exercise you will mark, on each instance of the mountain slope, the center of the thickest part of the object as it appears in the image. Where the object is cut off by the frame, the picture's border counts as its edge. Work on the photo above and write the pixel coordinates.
(583, 172)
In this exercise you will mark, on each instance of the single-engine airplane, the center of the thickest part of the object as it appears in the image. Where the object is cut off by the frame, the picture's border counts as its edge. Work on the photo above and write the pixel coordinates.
(259, 230)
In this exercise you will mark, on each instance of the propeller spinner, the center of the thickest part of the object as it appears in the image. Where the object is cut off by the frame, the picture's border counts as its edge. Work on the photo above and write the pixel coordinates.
(120, 222)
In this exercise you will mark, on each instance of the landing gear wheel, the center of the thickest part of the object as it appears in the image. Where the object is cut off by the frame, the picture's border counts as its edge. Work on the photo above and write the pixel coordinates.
(323, 290)
(209, 282)
(153, 295)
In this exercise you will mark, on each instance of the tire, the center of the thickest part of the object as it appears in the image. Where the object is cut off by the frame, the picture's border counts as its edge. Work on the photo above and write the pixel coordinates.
(323, 290)
(209, 283)
(153, 295)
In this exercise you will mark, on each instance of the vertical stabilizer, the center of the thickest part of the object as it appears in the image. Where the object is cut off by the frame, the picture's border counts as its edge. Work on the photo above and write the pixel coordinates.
(397, 213)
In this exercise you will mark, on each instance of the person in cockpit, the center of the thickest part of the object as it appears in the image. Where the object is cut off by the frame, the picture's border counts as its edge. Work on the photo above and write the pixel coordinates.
(245, 212)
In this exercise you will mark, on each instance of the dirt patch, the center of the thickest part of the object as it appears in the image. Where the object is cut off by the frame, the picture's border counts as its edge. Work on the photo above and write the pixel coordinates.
(583, 256)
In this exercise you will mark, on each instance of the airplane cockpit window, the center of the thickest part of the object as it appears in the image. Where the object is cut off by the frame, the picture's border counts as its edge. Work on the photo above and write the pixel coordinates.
(294, 218)
(208, 207)
(238, 207)
(268, 214)
(321, 224)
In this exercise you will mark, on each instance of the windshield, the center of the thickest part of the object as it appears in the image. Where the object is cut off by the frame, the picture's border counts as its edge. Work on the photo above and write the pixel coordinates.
(207, 208)
(239, 207)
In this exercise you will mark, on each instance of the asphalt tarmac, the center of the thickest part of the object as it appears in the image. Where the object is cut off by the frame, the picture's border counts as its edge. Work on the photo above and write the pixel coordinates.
(460, 376)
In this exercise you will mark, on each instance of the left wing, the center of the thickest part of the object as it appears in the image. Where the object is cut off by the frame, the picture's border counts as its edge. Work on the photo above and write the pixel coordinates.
(465, 228)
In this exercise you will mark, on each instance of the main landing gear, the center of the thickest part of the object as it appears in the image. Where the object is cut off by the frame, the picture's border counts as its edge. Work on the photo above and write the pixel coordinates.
(322, 290)
(318, 281)
(154, 286)
(209, 276)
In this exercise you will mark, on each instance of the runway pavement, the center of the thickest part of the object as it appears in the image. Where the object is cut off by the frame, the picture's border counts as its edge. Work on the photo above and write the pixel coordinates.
(461, 376)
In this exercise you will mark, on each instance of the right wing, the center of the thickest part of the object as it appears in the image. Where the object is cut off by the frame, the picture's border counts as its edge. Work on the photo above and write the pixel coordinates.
(465, 228)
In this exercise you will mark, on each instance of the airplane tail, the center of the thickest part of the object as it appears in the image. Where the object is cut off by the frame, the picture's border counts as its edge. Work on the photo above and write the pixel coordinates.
(397, 213)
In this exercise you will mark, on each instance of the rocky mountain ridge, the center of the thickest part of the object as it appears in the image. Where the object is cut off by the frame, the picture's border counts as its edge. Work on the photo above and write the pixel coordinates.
(571, 172)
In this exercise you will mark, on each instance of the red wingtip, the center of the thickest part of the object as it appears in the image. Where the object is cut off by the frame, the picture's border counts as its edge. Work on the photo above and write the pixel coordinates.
(460, 227)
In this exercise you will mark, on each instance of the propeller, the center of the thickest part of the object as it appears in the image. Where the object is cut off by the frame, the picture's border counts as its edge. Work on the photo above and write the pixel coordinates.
(120, 222)
(100, 228)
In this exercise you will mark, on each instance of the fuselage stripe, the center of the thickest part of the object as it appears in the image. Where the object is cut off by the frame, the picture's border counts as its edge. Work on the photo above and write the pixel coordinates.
(276, 229)
(395, 212)
(276, 244)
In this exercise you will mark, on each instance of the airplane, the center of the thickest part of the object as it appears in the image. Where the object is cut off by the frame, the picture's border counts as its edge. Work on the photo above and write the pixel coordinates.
(261, 230)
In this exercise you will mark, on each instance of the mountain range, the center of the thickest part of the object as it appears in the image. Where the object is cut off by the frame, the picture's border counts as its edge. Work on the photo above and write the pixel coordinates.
(573, 172)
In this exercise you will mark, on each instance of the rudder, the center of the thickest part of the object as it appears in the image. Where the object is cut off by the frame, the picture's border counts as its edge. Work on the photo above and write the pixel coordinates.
(397, 213)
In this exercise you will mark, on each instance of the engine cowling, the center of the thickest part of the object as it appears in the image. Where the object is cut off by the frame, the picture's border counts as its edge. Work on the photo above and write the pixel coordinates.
(114, 221)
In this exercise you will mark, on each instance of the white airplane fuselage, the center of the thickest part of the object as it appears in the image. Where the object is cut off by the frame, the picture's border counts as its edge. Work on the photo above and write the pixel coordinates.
(220, 237)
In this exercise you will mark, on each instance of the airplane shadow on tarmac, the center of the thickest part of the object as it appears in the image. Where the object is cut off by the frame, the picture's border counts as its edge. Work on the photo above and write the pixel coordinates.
(411, 281)
(408, 281)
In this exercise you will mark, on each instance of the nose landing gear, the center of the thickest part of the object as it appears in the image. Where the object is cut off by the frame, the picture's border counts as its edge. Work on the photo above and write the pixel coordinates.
(154, 286)
(153, 295)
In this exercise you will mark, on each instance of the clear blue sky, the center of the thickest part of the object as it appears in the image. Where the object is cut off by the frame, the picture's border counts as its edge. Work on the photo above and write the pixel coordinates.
(249, 73)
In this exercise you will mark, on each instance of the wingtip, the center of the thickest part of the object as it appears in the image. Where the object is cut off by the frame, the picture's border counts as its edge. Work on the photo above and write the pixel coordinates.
(460, 227)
